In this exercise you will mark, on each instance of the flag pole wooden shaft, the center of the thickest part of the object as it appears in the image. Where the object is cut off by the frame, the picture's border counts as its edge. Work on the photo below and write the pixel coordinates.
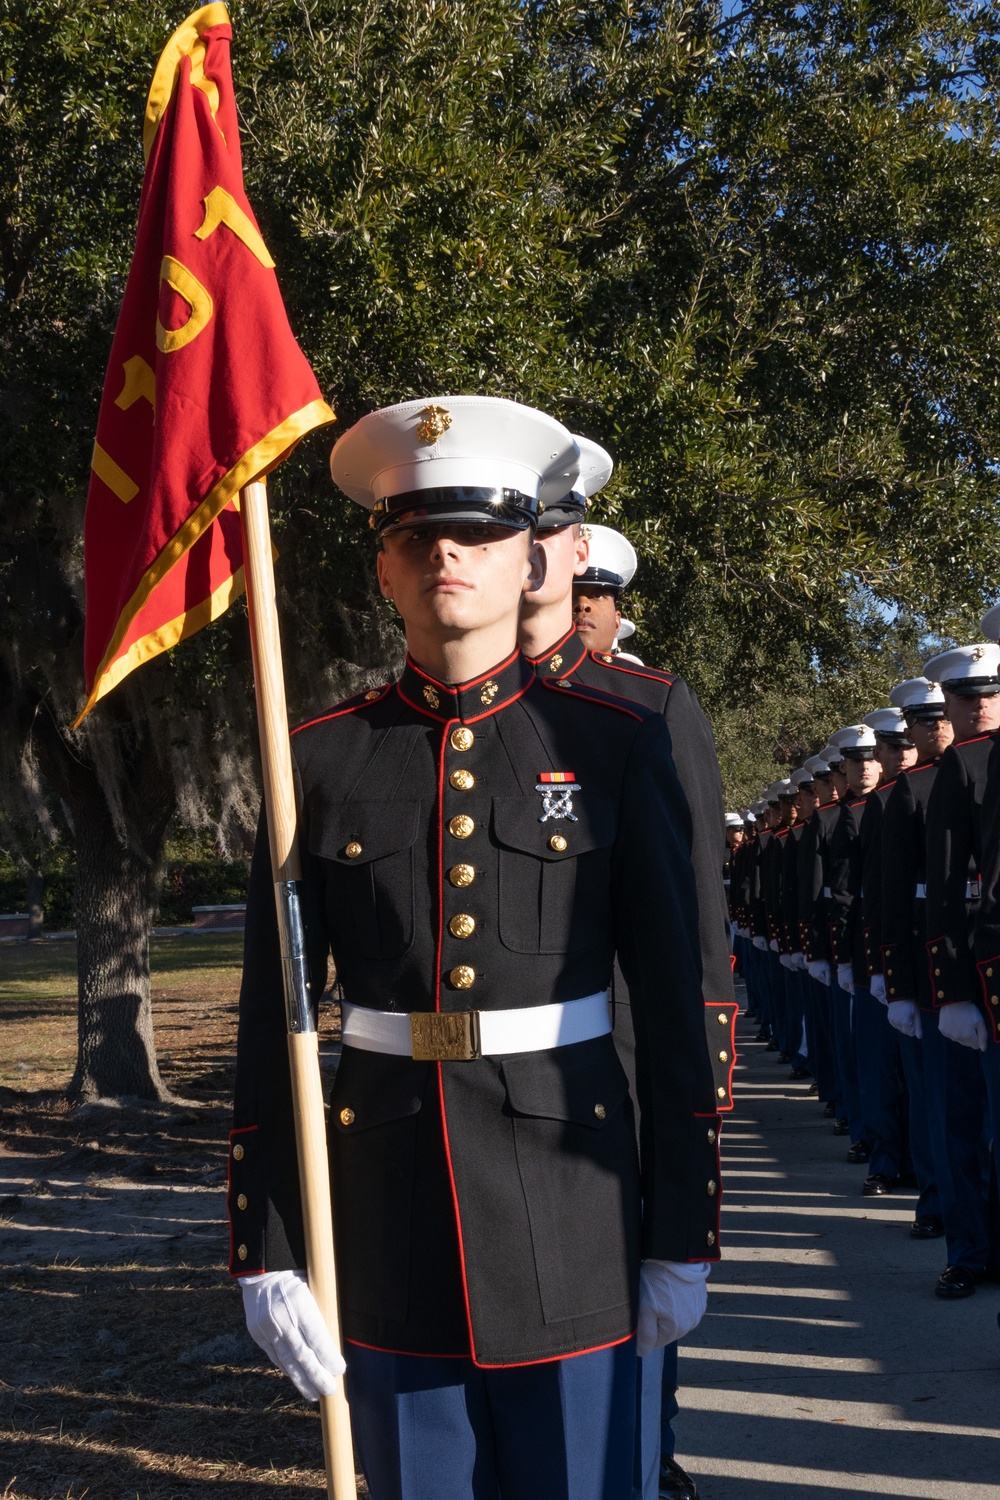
(303, 1045)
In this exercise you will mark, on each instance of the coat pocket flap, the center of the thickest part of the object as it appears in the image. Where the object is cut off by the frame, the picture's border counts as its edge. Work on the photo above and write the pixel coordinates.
(584, 1083)
(355, 833)
(517, 824)
(375, 1088)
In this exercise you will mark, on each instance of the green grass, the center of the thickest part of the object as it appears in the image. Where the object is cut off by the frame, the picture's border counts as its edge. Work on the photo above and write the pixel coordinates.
(47, 970)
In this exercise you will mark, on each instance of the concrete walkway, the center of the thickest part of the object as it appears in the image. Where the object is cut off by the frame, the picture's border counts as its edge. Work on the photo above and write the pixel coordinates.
(825, 1364)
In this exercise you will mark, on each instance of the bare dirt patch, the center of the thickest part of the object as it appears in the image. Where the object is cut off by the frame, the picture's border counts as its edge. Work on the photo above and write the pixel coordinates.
(126, 1372)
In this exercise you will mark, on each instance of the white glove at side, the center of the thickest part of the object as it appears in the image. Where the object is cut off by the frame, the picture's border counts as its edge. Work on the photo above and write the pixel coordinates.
(962, 1023)
(760, 943)
(773, 945)
(845, 977)
(744, 932)
(905, 1017)
(877, 988)
(284, 1319)
(785, 960)
(799, 963)
(672, 1300)
(819, 969)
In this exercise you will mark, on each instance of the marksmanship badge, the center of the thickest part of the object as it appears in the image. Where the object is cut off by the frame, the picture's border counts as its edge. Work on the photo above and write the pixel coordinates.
(557, 788)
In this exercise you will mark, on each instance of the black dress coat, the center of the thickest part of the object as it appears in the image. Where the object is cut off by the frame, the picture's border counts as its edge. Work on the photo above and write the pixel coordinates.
(491, 1208)
(986, 934)
(954, 846)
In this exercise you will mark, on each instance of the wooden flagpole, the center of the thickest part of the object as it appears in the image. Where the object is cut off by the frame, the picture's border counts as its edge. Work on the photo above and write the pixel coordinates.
(303, 1042)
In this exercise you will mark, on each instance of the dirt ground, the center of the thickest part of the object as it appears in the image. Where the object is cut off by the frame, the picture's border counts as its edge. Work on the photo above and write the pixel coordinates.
(125, 1369)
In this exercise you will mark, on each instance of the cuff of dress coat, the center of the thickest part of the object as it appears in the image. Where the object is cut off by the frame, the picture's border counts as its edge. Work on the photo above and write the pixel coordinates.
(246, 1203)
(683, 1224)
(720, 1025)
(988, 970)
(897, 967)
(950, 976)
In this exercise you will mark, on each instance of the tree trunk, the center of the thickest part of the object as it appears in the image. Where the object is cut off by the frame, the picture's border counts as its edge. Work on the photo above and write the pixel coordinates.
(35, 903)
(113, 902)
(117, 864)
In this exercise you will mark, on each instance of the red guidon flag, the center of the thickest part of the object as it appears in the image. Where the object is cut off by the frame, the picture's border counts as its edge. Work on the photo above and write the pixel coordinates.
(206, 387)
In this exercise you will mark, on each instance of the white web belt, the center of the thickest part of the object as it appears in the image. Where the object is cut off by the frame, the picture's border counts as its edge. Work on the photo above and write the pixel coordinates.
(460, 1036)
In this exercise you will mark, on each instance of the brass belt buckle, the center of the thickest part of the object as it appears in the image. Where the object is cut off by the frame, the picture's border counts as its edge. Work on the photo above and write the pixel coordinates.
(444, 1036)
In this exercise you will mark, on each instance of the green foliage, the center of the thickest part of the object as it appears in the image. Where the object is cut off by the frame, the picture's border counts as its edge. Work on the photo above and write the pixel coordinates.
(755, 254)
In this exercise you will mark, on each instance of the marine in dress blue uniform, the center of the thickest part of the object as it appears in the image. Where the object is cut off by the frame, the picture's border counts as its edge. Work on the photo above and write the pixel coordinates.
(969, 674)
(605, 569)
(477, 855)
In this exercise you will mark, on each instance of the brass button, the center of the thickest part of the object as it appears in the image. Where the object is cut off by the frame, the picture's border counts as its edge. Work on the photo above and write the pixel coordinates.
(937, 973)
(561, 682)
(722, 1018)
(710, 1236)
(462, 781)
(934, 949)
(242, 1252)
(462, 926)
(723, 1056)
(711, 1136)
(605, 657)
(353, 849)
(241, 1201)
(557, 843)
(371, 696)
(721, 1093)
(889, 972)
(711, 1188)
(461, 827)
(462, 977)
(461, 875)
(600, 1111)
(238, 1153)
(347, 1116)
(940, 994)
(989, 973)
(995, 999)
(461, 738)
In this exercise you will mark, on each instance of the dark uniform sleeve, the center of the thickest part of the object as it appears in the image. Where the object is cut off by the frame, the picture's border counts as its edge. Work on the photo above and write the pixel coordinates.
(655, 936)
(902, 857)
(812, 924)
(264, 1209)
(697, 765)
(789, 938)
(950, 860)
(841, 876)
(986, 937)
(867, 955)
(755, 891)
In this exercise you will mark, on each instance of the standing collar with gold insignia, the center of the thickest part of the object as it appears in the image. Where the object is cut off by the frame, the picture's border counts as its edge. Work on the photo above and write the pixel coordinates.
(467, 701)
(562, 658)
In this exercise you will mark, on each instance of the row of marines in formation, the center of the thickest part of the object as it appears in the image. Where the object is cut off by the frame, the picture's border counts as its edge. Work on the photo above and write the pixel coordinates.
(864, 896)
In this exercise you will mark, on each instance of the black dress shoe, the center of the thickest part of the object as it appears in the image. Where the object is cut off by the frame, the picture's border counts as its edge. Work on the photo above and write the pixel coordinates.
(841, 1127)
(859, 1152)
(800, 1073)
(830, 1112)
(876, 1186)
(927, 1227)
(674, 1481)
(772, 1045)
(763, 1035)
(957, 1282)
(783, 1057)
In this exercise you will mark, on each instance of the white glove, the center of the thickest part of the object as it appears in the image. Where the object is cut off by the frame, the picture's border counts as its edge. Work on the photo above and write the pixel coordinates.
(733, 930)
(761, 943)
(785, 960)
(877, 988)
(744, 932)
(799, 963)
(672, 1300)
(905, 1017)
(962, 1023)
(773, 945)
(284, 1319)
(845, 977)
(819, 970)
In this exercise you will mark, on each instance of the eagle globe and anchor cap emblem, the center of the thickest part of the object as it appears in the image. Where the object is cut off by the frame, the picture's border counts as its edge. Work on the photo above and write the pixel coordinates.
(434, 423)
(557, 788)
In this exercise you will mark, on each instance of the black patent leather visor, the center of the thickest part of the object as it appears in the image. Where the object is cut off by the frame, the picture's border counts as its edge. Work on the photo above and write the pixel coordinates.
(470, 505)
